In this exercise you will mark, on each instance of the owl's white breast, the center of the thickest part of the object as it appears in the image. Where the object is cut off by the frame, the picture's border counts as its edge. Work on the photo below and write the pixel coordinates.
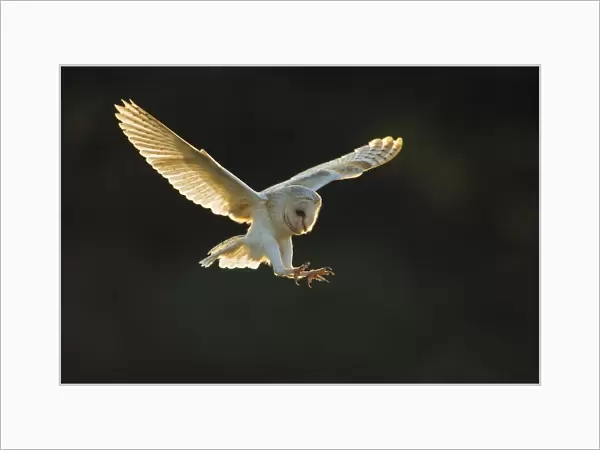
(261, 231)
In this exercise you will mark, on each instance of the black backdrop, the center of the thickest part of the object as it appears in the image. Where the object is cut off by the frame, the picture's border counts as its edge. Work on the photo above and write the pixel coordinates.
(435, 254)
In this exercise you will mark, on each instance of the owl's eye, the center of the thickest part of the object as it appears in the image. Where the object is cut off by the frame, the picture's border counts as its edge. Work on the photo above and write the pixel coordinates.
(300, 213)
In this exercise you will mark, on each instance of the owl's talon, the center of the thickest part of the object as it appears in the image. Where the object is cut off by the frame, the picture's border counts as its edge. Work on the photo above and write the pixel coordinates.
(299, 272)
(318, 274)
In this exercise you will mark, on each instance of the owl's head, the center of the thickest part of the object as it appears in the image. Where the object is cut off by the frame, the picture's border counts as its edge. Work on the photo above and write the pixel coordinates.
(301, 209)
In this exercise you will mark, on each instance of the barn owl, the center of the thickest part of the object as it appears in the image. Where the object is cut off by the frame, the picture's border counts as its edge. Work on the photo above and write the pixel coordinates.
(274, 215)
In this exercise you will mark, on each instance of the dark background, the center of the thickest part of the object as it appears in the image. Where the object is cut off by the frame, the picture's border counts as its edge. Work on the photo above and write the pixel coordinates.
(435, 254)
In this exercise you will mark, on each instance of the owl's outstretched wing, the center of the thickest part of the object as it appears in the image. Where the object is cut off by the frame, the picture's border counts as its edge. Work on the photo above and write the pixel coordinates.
(374, 154)
(194, 173)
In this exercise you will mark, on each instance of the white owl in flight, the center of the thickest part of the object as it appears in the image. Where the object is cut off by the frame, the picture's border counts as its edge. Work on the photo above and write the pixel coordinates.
(275, 215)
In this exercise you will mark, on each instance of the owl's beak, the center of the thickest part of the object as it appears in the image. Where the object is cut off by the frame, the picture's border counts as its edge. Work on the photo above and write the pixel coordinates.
(304, 225)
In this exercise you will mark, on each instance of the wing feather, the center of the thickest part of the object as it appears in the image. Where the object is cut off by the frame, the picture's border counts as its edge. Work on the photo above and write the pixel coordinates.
(194, 173)
(352, 165)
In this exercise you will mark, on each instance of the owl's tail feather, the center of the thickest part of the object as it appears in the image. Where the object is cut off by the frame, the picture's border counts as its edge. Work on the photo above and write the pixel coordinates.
(232, 254)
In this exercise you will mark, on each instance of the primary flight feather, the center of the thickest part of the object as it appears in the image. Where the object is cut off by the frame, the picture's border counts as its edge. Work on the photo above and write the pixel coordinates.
(275, 215)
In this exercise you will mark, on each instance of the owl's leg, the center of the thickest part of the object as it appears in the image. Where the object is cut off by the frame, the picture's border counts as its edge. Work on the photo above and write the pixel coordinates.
(287, 251)
(280, 255)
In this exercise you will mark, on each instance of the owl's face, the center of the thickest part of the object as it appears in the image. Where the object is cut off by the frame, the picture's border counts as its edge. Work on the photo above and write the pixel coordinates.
(300, 214)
